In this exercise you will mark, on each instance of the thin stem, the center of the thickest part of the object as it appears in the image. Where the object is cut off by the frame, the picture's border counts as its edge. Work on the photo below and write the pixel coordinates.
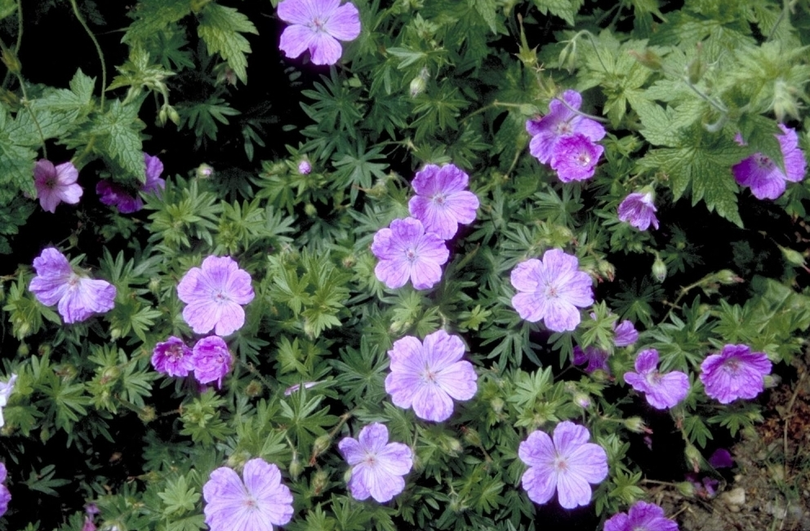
(98, 50)
(778, 21)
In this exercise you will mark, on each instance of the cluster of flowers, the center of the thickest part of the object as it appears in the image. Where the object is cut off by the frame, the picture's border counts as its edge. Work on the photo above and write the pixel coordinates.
(209, 360)
(317, 25)
(414, 248)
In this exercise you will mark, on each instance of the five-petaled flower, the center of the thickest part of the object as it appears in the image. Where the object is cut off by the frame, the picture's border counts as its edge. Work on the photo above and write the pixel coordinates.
(766, 179)
(442, 201)
(575, 158)
(661, 390)
(428, 377)
(562, 121)
(56, 184)
(642, 516)
(77, 297)
(214, 295)
(173, 357)
(5, 393)
(113, 194)
(317, 25)
(552, 290)
(734, 373)
(568, 463)
(407, 252)
(255, 504)
(638, 209)
(377, 465)
(211, 359)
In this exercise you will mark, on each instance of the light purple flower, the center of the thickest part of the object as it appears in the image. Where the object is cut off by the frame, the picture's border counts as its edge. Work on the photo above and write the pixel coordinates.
(5, 494)
(734, 373)
(575, 158)
(113, 194)
(661, 390)
(77, 297)
(428, 377)
(552, 290)
(766, 179)
(214, 295)
(317, 25)
(304, 167)
(567, 464)
(638, 210)
(407, 252)
(56, 184)
(377, 465)
(255, 504)
(297, 387)
(442, 201)
(173, 357)
(5, 393)
(642, 516)
(212, 360)
(561, 122)
(625, 334)
(596, 358)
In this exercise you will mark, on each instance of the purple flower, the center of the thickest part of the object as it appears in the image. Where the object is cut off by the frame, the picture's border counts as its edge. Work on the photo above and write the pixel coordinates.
(734, 373)
(428, 377)
(766, 179)
(77, 297)
(5, 394)
(377, 465)
(575, 158)
(721, 458)
(317, 25)
(625, 334)
(551, 289)
(56, 184)
(567, 464)
(561, 122)
(662, 390)
(113, 194)
(212, 360)
(638, 210)
(214, 295)
(442, 201)
(297, 387)
(406, 252)
(304, 167)
(596, 359)
(642, 516)
(5, 495)
(173, 357)
(257, 504)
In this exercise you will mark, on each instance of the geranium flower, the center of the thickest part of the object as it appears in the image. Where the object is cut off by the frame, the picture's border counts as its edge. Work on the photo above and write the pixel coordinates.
(428, 377)
(5, 495)
(551, 290)
(734, 373)
(56, 184)
(575, 158)
(561, 122)
(442, 201)
(567, 464)
(661, 390)
(77, 297)
(625, 334)
(766, 179)
(214, 295)
(211, 359)
(377, 465)
(595, 357)
(5, 393)
(173, 357)
(642, 516)
(317, 25)
(113, 194)
(255, 504)
(638, 210)
(407, 253)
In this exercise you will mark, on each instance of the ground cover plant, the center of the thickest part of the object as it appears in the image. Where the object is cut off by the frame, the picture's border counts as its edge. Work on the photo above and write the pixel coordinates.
(410, 264)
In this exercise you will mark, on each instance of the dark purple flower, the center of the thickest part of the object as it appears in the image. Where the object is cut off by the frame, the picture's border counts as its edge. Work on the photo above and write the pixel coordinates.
(625, 334)
(661, 390)
(561, 122)
(638, 210)
(56, 184)
(317, 25)
(212, 360)
(642, 516)
(127, 202)
(734, 373)
(173, 357)
(766, 179)
(442, 202)
(596, 359)
(721, 458)
(575, 158)
(377, 465)
(406, 252)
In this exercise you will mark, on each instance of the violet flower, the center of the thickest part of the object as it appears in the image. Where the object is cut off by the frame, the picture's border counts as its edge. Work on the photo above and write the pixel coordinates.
(406, 252)
(567, 463)
(551, 290)
(638, 209)
(317, 25)
(212, 360)
(5, 494)
(642, 516)
(5, 393)
(377, 465)
(214, 296)
(442, 202)
(766, 179)
(428, 377)
(661, 390)
(173, 357)
(624, 334)
(595, 357)
(575, 158)
(721, 458)
(77, 297)
(56, 184)
(734, 373)
(113, 194)
(256, 504)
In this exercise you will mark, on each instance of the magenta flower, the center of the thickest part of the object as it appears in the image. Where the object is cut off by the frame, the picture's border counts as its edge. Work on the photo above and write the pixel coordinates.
(734, 373)
(596, 359)
(661, 390)
(766, 179)
(317, 25)
(561, 122)
(377, 465)
(5, 394)
(575, 158)
(428, 377)
(407, 253)
(212, 360)
(567, 464)
(642, 516)
(255, 504)
(113, 194)
(77, 297)
(173, 357)
(551, 290)
(214, 295)
(56, 184)
(5, 494)
(638, 210)
(442, 201)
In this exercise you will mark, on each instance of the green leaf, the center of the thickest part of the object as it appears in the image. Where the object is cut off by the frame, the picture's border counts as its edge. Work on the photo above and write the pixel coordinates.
(565, 9)
(118, 137)
(178, 497)
(17, 163)
(220, 28)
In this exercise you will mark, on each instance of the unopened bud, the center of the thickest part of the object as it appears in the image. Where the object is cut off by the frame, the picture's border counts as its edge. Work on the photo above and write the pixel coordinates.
(174, 116)
(319, 481)
(349, 261)
(452, 446)
(686, 488)
(606, 270)
(693, 457)
(794, 258)
(636, 425)
(154, 285)
(147, 414)
(582, 400)
(296, 467)
(204, 171)
(23, 349)
(727, 277)
(497, 404)
(695, 70)
(321, 444)
(418, 85)
(310, 210)
(472, 437)
(304, 167)
(254, 388)
(772, 380)
(238, 459)
(162, 116)
(115, 333)
(659, 269)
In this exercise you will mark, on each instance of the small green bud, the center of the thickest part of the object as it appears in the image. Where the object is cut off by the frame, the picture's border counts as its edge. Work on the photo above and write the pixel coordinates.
(772, 380)
(23, 349)
(636, 425)
(349, 261)
(727, 277)
(162, 116)
(238, 459)
(452, 446)
(686, 488)
(321, 444)
(254, 388)
(497, 404)
(785, 102)
(174, 116)
(147, 414)
(115, 333)
(110, 374)
(44, 349)
(659, 269)
(582, 400)
(319, 481)
(296, 467)
(418, 85)
(693, 457)
(695, 70)
(794, 258)
(472, 437)
(44, 434)
(154, 285)
(606, 270)
(310, 210)
(204, 171)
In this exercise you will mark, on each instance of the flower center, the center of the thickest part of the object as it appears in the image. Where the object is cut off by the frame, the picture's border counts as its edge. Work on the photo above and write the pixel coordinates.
(560, 464)
(732, 365)
(220, 296)
(250, 503)
(763, 161)
(370, 460)
(317, 24)
(50, 182)
(410, 254)
(564, 128)
(583, 159)
(428, 376)
(551, 291)
(175, 352)
(439, 199)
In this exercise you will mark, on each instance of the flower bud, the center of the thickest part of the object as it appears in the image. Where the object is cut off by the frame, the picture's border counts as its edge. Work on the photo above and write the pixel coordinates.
(693, 457)
(418, 85)
(727, 277)
(254, 389)
(23, 350)
(497, 404)
(174, 116)
(794, 258)
(472, 437)
(659, 269)
(204, 171)
(154, 285)
(296, 467)
(162, 116)
(310, 210)
(785, 102)
(304, 167)
(238, 459)
(686, 488)
(636, 425)
(147, 414)
(772, 380)
(319, 481)
(695, 70)
(582, 400)
(452, 446)
(321, 444)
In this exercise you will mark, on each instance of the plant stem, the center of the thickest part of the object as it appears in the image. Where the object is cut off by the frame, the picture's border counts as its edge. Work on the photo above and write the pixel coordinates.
(98, 50)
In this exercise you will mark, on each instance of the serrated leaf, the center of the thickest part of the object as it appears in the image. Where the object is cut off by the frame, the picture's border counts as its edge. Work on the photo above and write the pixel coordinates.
(565, 9)
(220, 28)
(17, 163)
(152, 16)
(118, 137)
